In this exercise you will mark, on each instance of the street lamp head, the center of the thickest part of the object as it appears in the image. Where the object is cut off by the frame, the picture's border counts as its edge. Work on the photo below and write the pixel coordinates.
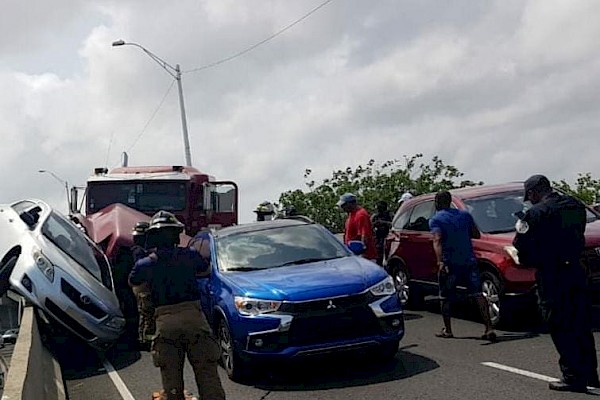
(41, 171)
(118, 42)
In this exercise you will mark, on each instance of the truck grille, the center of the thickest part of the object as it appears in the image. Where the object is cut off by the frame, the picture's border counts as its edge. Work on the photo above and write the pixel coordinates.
(77, 298)
(68, 321)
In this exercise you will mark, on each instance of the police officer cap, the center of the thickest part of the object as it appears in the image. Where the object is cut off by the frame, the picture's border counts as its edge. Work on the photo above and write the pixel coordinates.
(535, 182)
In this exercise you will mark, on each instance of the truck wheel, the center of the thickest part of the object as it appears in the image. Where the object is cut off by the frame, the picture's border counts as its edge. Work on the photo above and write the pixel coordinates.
(6, 269)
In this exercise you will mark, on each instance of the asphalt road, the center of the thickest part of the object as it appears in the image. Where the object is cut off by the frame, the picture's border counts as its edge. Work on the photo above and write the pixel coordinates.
(426, 367)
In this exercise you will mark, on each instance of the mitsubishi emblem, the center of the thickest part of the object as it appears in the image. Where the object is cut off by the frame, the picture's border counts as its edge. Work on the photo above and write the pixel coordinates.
(331, 306)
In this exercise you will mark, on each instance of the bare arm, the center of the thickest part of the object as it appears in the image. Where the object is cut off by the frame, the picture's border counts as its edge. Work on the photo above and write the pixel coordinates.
(475, 233)
(437, 248)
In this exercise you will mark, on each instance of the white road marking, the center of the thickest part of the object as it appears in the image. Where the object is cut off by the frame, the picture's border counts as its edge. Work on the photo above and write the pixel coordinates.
(520, 372)
(119, 384)
(523, 372)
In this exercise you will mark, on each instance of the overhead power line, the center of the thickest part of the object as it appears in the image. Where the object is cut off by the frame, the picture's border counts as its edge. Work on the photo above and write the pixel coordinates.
(254, 46)
(152, 116)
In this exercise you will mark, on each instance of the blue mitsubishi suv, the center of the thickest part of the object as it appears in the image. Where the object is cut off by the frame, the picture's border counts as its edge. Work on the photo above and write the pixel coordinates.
(288, 288)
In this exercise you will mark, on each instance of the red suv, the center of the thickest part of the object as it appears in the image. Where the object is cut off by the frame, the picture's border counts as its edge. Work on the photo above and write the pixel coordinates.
(410, 259)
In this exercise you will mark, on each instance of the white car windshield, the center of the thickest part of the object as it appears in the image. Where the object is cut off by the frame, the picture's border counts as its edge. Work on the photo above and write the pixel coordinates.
(68, 238)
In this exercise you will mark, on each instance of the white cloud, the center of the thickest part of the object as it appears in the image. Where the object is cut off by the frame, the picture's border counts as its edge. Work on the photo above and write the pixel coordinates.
(500, 89)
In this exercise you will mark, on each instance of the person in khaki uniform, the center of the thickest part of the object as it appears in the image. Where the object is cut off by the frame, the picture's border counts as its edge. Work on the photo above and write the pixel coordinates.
(181, 327)
(143, 295)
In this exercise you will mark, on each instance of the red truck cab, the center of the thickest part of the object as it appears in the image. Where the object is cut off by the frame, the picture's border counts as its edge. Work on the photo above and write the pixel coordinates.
(116, 200)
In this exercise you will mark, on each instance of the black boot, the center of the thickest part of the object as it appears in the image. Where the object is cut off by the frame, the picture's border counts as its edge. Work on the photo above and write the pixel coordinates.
(562, 386)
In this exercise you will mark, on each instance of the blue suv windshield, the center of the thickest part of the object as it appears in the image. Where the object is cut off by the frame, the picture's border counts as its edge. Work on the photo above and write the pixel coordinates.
(276, 247)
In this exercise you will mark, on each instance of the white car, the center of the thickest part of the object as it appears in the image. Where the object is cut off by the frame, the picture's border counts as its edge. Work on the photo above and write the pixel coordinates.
(48, 260)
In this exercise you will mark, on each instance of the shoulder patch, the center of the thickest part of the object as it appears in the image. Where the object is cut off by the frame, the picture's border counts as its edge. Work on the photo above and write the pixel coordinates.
(522, 226)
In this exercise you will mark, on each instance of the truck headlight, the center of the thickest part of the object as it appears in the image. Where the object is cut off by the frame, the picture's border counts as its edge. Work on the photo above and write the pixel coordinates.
(513, 253)
(44, 265)
(384, 288)
(116, 323)
(248, 306)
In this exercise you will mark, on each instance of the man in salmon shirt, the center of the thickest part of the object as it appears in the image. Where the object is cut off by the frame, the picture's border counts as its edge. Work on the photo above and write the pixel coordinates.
(358, 225)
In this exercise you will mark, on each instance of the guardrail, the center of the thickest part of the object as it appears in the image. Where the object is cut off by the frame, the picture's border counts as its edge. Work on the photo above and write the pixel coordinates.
(34, 374)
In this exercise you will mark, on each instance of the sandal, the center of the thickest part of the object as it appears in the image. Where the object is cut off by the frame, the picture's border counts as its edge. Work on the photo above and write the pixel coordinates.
(444, 334)
(491, 336)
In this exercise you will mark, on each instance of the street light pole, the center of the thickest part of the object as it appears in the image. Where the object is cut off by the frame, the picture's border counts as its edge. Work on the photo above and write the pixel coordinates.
(175, 72)
(186, 139)
(44, 171)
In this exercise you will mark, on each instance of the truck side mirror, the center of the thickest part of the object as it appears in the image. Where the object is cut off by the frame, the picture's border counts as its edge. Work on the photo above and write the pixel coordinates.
(73, 200)
(208, 197)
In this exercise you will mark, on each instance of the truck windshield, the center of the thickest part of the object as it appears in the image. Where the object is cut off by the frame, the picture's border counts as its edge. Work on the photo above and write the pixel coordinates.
(140, 195)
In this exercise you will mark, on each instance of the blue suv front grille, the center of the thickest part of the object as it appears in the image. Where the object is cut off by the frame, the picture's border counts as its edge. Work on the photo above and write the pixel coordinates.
(334, 324)
(335, 303)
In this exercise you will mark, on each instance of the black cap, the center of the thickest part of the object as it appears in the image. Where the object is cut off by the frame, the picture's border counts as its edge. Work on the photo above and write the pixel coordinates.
(535, 182)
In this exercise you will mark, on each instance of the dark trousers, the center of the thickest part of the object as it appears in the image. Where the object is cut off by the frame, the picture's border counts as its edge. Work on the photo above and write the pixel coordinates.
(182, 331)
(569, 323)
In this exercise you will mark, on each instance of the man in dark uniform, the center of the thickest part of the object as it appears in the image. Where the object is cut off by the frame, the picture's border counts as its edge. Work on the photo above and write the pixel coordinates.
(181, 327)
(382, 222)
(143, 295)
(550, 237)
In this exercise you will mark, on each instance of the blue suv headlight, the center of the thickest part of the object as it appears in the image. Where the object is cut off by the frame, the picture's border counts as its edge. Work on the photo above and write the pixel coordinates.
(247, 306)
(384, 288)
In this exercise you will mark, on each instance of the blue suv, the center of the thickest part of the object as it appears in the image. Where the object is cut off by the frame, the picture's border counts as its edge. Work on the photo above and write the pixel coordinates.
(289, 288)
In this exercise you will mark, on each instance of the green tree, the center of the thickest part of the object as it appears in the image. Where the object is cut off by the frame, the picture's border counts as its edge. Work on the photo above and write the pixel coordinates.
(586, 188)
(371, 183)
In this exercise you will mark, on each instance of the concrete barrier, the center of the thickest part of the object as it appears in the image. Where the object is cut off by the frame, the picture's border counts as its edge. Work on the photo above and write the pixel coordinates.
(34, 374)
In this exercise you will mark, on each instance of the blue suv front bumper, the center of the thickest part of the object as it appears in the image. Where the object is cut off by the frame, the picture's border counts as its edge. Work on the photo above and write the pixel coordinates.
(320, 326)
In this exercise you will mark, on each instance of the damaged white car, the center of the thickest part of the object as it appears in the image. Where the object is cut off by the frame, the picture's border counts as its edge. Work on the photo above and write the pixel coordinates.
(54, 265)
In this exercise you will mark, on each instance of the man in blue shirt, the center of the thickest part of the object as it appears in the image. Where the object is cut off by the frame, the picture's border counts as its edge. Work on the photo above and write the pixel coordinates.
(452, 231)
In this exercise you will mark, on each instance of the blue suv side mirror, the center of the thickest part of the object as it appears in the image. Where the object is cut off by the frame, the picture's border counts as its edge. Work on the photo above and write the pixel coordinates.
(357, 247)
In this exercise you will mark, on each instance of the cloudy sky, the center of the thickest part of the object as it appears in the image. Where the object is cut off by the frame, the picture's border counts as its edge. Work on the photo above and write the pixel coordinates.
(501, 89)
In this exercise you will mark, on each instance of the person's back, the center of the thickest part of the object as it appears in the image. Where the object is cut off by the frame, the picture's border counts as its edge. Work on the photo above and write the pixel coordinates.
(557, 227)
(181, 327)
(455, 227)
(381, 221)
(174, 276)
